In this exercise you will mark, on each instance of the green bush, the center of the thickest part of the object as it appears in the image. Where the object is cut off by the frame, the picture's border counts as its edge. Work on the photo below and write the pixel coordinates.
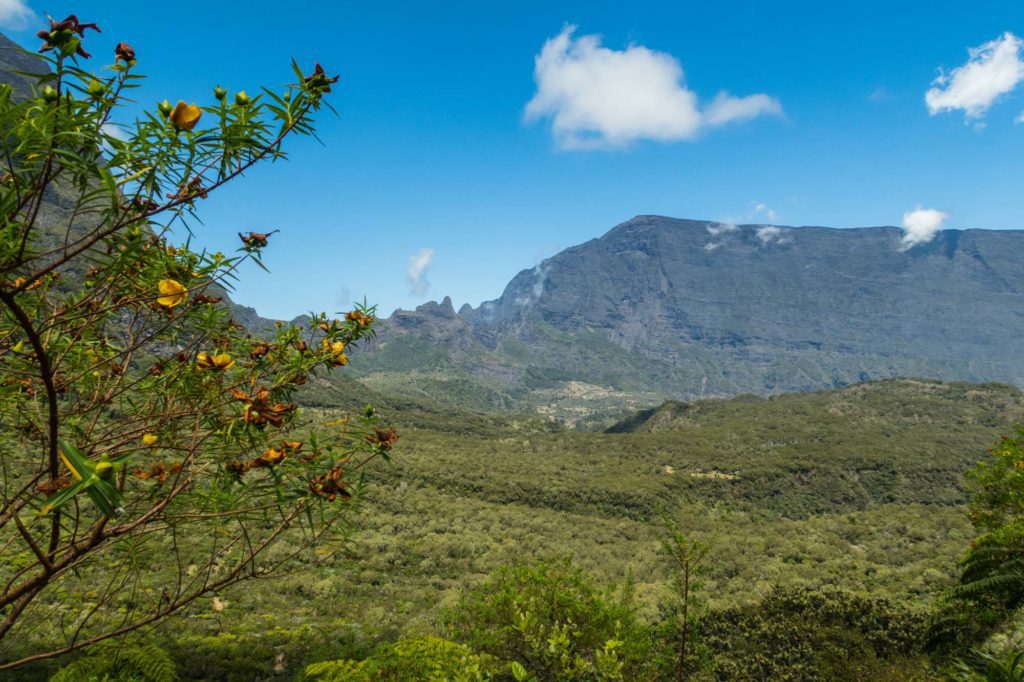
(426, 659)
(551, 619)
(807, 635)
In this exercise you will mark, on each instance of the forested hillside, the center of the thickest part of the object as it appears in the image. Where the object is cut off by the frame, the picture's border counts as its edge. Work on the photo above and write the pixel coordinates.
(859, 489)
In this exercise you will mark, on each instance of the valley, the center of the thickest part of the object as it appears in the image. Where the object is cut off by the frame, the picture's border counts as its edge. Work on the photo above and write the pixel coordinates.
(859, 489)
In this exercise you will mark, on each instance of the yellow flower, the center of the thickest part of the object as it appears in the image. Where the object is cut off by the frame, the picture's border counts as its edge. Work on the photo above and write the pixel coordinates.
(221, 361)
(337, 350)
(149, 439)
(185, 116)
(171, 293)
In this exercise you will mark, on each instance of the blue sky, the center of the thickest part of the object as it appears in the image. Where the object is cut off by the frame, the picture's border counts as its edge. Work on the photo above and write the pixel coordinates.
(433, 156)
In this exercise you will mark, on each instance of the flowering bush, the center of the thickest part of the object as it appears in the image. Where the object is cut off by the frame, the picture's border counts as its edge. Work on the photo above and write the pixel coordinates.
(151, 448)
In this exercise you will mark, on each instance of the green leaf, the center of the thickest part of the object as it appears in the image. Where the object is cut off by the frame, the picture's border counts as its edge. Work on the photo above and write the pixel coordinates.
(519, 672)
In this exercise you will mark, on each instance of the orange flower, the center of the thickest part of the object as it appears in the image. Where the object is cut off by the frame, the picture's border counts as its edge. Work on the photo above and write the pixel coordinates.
(171, 293)
(269, 458)
(157, 472)
(259, 350)
(19, 282)
(185, 116)
(362, 321)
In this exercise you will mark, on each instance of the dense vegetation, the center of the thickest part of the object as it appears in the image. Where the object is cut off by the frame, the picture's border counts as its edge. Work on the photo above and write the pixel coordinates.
(814, 527)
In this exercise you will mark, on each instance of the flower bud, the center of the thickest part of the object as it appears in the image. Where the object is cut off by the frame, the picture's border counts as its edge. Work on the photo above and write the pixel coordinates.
(165, 108)
(241, 99)
(96, 89)
(104, 469)
(220, 93)
(50, 95)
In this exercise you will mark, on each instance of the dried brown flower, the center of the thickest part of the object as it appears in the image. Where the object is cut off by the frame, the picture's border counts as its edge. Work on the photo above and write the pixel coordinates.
(383, 439)
(255, 240)
(319, 80)
(330, 485)
(124, 53)
(62, 33)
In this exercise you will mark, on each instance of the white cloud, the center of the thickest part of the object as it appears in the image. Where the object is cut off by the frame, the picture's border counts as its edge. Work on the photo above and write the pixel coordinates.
(768, 234)
(920, 226)
(540, 274)
(600, 98)
(724, 230)
(419, 262)
(725, 108)
(112, 129)
(716, 229)
(767, 211)
(15, 14)
(992, 70)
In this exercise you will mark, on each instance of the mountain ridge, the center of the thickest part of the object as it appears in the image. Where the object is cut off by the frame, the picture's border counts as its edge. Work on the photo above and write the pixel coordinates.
(679, 308)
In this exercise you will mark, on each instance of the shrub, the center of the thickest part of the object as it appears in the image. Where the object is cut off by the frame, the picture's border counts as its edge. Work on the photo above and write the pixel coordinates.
(419, 659)
(551, 620)
(151, 450)
(810, 635)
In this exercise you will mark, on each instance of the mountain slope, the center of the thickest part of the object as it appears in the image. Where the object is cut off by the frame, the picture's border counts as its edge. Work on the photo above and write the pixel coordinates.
(680, 308)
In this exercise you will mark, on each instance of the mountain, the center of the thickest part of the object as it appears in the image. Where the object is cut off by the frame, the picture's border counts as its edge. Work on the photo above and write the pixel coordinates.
(667, 308)
(14, 62)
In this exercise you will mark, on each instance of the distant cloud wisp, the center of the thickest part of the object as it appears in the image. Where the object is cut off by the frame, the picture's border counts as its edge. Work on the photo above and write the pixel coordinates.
(599, 98)
(15, 15)
(419, 262)
(920, 226)
(770, 233)
(718, 229)
(764, 209)
(540, 274)
(991, 71)
(723, 231)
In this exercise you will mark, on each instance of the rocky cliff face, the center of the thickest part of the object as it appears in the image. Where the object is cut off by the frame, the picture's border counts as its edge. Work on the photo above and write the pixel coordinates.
(13, 62)
(682, 308)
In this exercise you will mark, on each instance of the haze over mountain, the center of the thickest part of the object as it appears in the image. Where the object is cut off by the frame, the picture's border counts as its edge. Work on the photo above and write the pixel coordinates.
(661, 307)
